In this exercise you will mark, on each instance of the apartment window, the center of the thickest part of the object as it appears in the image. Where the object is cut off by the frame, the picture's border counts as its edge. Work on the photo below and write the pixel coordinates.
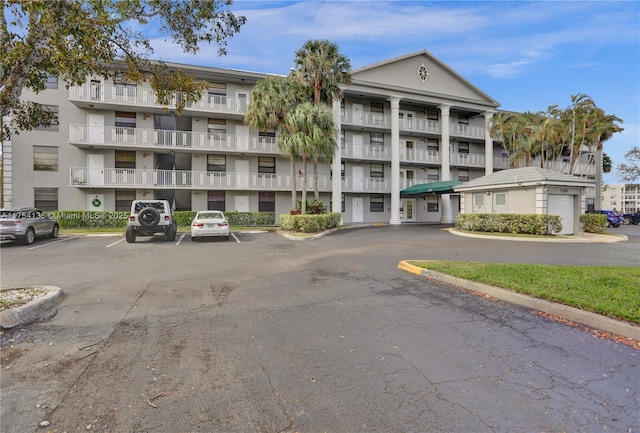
(267, 201)
(54, 122)
(267, 136)
(500, 198)
(125, 119)
(215, 200)
(432, 114)
(266, 164)
(217, 163)
(377, 139)
(377, 107)
(217, 93)
(52, 82)
(342, 138)
(377, 169)
(217, 126)
(45, 158)
(124, 197)
(46, 198)
(463, 175)
(433, 145)
(125, 159)
(125, 91)
(463, 147)
(463, 120)
(433, 174)
(432, 203)
(376, 203)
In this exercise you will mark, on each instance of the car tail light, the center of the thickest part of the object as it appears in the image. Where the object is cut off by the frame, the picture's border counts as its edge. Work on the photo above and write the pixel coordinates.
(197, 225)
(167, 217)
(132, 218)
(223, 224)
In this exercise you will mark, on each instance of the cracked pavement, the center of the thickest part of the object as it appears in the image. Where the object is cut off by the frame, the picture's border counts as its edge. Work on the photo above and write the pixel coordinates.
(316, 336)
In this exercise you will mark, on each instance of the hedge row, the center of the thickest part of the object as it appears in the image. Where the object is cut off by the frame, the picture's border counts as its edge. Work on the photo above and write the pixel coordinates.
(310, 223)
(94, 219)
(594, 222)
(510, 223)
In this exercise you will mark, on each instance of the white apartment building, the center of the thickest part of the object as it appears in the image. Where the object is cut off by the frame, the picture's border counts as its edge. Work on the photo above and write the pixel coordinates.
(622, 197)
(402, 122)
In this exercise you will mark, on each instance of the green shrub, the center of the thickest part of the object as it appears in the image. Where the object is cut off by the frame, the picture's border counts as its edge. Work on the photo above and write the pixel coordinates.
(310, 223)
(510, 223)
(593, 222)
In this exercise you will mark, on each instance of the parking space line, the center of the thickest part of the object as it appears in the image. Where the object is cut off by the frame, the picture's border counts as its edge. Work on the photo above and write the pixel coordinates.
(114, 243)
(181, 238)
(51, 243)
(237, 240)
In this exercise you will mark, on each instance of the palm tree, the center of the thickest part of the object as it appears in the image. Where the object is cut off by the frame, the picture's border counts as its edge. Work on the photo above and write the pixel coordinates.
(320, 66)
(271, 101)
(308, 128)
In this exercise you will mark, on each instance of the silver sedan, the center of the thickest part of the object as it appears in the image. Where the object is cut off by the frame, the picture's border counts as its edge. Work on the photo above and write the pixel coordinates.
(210, 223)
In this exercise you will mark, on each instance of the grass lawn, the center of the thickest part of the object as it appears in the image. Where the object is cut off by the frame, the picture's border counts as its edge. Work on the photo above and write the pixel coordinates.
(606, 290)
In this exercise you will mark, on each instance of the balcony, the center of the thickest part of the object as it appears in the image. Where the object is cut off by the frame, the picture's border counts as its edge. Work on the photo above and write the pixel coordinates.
(366, 151)
(467, 159)
(83, 177)
(375, 120)
(116, 137)
(466, 131)
(118, 96)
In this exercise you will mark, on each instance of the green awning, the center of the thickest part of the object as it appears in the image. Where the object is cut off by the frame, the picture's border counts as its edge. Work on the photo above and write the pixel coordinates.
(444, 187)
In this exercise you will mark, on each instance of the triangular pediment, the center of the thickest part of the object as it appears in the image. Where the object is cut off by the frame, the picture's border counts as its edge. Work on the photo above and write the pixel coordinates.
(421, 73)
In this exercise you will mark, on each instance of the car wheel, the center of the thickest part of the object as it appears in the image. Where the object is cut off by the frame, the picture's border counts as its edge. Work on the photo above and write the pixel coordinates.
(193, 239)
(227, 237)
(627, 220)
(29, 236)
(171, 232)
(54, 231)
(130, 235)
(149, 217)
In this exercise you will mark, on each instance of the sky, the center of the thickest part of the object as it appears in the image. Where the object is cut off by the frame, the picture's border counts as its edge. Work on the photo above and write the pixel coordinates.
(527, 55)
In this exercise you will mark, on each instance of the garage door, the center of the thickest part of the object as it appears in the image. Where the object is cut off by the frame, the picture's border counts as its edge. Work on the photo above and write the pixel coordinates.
(562, 205)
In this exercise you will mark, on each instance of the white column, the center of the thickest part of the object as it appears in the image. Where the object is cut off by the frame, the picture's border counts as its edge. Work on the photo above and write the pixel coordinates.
(395, 161)
(488, 143)
(336, 181)
(445, 164)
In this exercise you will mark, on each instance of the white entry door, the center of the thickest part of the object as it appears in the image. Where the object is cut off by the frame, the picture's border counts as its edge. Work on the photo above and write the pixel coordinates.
(357, 111)
(242, 137)
(357, 172)
(357, 209)
(242, 173)
(242, 203)
(358, 143)
(95, 128)
(479, 205)
(95, 169)
(407, 209)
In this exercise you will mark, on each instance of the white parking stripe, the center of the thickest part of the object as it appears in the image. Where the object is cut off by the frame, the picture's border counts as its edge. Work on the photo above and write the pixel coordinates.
(51, 243)
(114, 243)
(237, 240)
(181, 238)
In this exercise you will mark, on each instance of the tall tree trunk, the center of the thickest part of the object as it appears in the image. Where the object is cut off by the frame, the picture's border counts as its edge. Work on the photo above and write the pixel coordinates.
(303, 203)
(292, 164)
(316, 187)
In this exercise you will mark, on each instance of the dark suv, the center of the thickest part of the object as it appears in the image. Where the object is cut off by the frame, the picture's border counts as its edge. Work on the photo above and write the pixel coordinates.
(632, 218)
(614, 218)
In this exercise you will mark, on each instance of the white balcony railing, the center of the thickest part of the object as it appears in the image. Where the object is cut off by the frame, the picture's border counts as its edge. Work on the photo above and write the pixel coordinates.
(466, 131)
(366, 151)
(157, 138)
(467, 159)
(186, 179)
(420, 155)
(98, 92)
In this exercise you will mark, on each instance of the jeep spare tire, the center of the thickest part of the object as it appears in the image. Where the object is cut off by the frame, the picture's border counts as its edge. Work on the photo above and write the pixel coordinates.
(149, 217)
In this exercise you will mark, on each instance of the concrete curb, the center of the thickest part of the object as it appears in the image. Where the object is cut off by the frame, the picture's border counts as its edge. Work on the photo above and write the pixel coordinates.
(33, 310)
(582, 237)
(574, 314)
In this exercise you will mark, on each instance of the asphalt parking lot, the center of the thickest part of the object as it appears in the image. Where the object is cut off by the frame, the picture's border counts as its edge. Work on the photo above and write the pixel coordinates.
(262, 333)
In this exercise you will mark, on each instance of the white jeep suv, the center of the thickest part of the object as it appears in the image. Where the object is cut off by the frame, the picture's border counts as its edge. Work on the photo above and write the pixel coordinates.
(149, 217)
